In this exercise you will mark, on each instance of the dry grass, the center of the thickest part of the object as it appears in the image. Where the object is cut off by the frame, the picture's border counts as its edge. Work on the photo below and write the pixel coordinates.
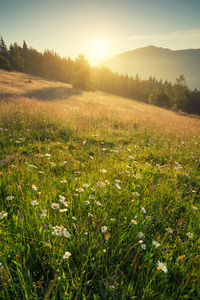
(66, 104)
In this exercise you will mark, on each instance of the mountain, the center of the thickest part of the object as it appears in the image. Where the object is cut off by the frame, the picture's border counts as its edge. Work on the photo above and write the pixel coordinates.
(162, 63)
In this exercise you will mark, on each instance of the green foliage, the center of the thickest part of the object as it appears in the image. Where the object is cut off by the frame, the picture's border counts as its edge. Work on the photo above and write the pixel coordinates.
(159, 98)
(169, 91)
(81, 78)
(180, 90)
(4, 63)
(16, 61)
(3, 48)
(193, 104)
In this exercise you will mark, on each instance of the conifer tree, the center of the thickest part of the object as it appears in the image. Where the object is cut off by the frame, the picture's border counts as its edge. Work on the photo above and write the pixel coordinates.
(3, 48)
(24, 49)
(17, 62)
(81, 78)
(4, 63)
(180, 90)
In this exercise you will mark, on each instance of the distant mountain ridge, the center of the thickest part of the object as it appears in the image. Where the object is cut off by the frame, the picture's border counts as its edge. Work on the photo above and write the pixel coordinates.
(162, 63)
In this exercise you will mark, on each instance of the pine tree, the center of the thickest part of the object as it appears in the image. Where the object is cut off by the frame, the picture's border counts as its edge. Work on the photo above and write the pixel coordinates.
(4, 63)
(3, 48)
(180, 91)
(81, 78)
(24, 50)
(17, 62)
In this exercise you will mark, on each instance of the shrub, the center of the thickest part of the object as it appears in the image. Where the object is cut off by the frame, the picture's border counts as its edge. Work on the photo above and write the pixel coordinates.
(4, 63)
(159, 98)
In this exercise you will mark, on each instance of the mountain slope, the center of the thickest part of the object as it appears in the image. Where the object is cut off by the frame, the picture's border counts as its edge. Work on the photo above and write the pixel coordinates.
(162, 63)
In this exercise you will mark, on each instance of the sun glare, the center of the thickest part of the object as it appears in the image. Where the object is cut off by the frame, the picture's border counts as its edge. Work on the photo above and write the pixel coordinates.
(98, 51)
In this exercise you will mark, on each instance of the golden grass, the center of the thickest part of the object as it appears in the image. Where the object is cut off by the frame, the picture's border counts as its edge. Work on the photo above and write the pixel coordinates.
(89, 109)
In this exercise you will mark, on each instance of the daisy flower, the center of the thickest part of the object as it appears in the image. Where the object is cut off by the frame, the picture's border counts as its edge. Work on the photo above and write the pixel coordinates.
(104, 229)
(143, 209)
(55, 205)
(190, 235)
(34, 187)
(143, 246)
(87, 202)
(156, 244)
(80, 190)
(103, 170)
(118, 186)
(10, 197)
(62, 198)
(134, 221)
(63, 210)
(43, 214)
(85, 185)
(34, 202)
(66, 233)
(66, 255)
(3, 214)
(161, 266)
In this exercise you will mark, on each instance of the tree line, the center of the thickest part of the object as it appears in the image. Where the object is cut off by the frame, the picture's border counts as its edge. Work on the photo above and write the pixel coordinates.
(81, 75)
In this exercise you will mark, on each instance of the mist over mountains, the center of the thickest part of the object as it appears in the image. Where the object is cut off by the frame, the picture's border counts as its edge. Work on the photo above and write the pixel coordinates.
(162, 63)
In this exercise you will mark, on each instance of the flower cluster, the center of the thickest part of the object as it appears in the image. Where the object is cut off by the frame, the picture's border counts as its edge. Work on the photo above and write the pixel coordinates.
(3, 214)
(60, 231)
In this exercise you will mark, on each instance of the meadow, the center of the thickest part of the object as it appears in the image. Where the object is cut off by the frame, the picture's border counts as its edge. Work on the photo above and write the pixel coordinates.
(99, 195)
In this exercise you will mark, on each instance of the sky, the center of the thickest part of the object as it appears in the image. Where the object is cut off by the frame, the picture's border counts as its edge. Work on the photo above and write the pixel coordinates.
(100, 29)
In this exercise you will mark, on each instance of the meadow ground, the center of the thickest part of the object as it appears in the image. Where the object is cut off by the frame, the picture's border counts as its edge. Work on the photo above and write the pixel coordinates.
(99, 195)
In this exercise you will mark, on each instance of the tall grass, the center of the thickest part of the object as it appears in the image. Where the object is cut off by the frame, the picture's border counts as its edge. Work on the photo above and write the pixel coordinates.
(111, 181)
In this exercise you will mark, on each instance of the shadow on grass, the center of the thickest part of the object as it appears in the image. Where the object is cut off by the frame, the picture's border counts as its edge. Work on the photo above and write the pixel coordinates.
(53, 93)
(49, 93)
(5, 96)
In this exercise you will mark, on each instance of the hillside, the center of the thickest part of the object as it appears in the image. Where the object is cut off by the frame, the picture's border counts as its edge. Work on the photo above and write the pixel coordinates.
(99, 195)
(162, 63)
(76, 103)
(81, 75)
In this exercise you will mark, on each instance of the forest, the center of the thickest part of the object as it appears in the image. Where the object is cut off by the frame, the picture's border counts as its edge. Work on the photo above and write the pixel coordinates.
(176, 96)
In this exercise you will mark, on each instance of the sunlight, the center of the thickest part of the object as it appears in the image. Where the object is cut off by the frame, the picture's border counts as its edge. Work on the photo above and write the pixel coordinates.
(97, 51)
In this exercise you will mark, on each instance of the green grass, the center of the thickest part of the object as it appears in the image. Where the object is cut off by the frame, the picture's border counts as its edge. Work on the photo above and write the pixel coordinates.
(151, 176)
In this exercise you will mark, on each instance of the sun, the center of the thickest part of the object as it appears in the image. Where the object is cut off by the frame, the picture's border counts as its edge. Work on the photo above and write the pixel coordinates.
(97, 51)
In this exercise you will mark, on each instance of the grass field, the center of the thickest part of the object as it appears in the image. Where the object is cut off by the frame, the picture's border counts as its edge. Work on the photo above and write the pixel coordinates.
(99, 195)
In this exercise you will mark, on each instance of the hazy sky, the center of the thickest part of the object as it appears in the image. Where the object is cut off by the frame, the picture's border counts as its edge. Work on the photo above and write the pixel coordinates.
(100, 29)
